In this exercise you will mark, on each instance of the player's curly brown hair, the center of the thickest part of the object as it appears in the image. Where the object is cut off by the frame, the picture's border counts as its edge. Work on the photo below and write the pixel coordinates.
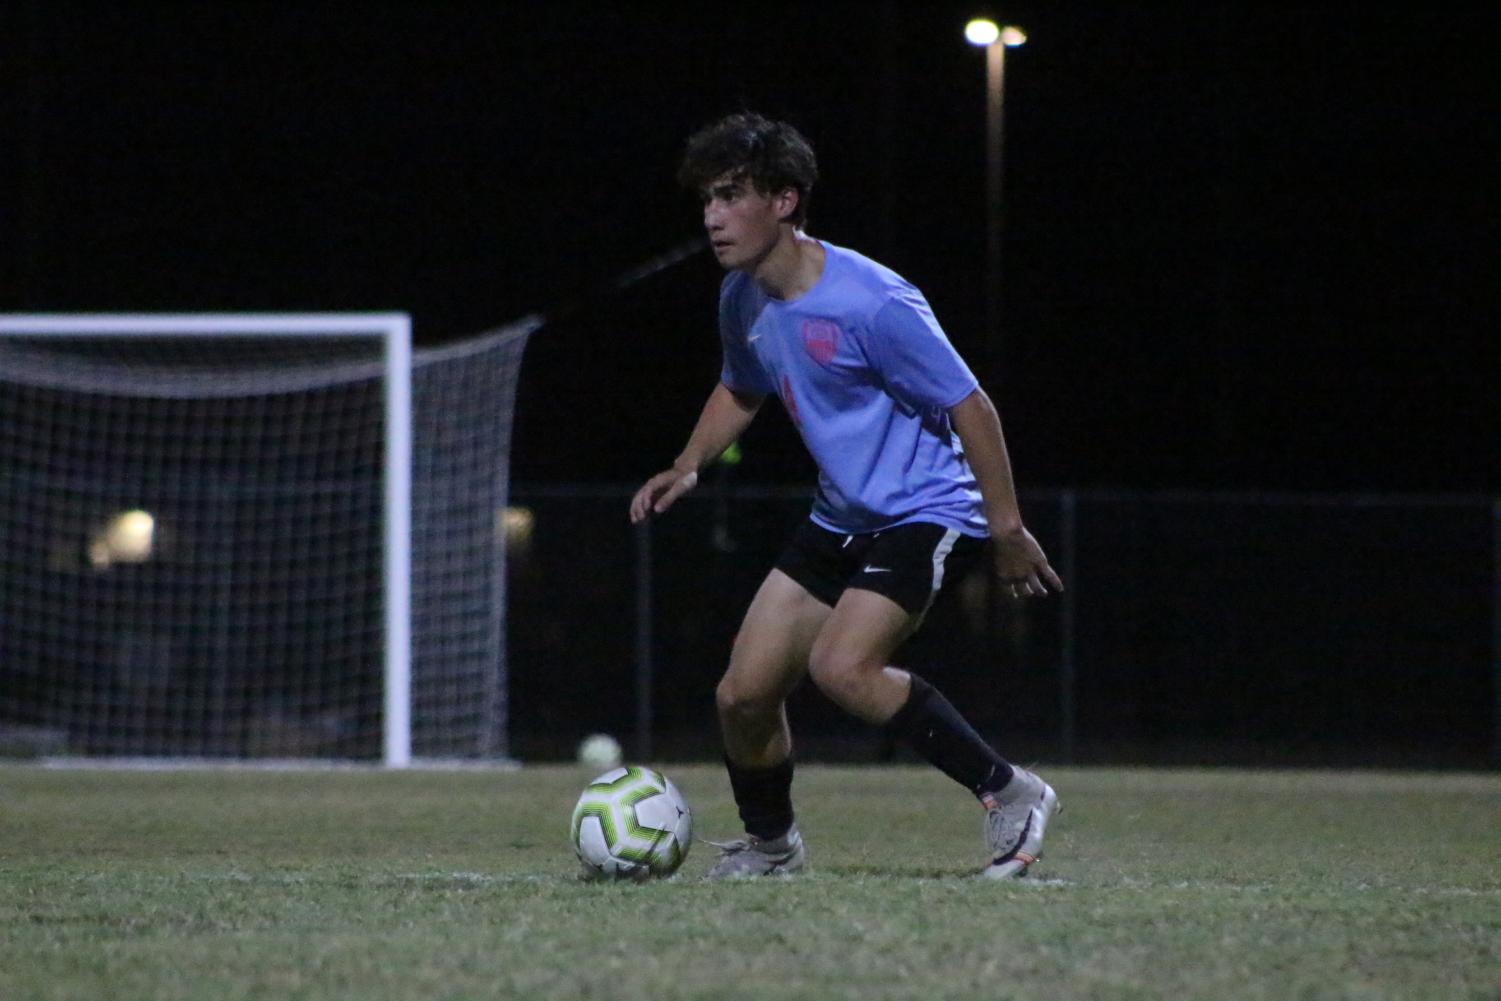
(773, 155)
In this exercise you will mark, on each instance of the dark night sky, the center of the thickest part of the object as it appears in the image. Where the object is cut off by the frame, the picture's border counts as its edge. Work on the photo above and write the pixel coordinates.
(1244, 242)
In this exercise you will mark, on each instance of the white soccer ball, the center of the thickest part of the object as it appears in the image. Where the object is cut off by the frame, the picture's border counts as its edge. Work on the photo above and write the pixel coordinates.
(600, 751)
(631, 823)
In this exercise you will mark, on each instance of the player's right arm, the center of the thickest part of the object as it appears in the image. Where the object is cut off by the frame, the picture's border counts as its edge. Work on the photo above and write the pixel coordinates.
(725, 417)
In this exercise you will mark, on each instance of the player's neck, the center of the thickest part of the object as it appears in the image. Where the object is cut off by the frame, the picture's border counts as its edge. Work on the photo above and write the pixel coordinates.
(792, 267)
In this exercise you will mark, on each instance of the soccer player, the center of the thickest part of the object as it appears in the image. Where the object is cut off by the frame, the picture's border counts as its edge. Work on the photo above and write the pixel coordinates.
(914, 475)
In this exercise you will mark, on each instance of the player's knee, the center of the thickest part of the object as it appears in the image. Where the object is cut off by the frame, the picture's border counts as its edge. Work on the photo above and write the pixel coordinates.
(739, 701)
(841, 676)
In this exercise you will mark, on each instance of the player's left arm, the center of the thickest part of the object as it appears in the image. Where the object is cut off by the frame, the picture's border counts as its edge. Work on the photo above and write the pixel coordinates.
(1019, 560)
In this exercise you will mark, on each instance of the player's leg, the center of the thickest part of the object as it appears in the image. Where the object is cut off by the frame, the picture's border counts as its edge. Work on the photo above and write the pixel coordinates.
(850, 659)
(769, 658)
(851, 662)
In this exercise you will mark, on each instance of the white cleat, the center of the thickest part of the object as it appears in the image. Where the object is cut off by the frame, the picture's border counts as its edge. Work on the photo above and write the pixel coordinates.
(746, 858)
(1014, 831)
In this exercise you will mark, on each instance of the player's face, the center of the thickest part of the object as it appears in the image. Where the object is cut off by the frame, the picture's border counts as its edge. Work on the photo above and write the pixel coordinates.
(742, 223)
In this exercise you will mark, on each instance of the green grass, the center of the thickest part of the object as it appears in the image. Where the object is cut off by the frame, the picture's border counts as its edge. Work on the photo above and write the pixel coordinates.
(1157, 884)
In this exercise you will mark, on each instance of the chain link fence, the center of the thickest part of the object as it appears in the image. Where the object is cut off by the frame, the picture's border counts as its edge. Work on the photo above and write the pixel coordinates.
(1197, 628)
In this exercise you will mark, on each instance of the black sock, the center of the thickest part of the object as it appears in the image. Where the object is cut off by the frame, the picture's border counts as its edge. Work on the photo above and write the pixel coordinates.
(932, 727)
(764, 796)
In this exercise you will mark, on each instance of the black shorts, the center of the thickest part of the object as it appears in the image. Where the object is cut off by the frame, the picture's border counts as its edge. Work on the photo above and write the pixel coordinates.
(908, 563)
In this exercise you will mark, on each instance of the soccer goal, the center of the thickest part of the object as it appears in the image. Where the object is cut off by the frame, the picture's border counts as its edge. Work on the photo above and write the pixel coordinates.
(253, 536)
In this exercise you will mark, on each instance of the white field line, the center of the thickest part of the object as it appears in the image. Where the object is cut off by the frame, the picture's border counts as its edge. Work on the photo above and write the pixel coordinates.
(274, 765)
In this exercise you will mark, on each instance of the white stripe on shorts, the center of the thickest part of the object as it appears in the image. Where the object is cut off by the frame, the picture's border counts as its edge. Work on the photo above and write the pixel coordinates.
(941, 553)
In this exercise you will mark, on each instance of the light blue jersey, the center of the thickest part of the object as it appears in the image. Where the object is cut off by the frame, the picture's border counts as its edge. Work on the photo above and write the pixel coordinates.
(868, 377)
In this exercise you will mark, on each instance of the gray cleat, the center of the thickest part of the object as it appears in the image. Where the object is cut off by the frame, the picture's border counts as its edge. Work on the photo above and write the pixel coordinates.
(748, 857)
(1014, 831)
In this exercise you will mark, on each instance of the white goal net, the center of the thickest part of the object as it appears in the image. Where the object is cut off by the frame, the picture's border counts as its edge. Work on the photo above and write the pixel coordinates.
(250, 536)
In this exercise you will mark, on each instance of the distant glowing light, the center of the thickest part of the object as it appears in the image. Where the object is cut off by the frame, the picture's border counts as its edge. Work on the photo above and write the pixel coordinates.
(1012, 36)
(982, 31)
(516, 525)
(128, 538)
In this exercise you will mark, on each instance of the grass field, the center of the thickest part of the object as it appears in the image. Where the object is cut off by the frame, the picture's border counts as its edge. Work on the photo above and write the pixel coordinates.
(422, 885)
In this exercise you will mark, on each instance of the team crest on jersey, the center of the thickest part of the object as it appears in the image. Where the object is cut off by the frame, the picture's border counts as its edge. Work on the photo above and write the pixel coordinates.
(821, 339)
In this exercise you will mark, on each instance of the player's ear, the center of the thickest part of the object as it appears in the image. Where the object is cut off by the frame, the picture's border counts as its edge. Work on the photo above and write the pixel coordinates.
(786, 203)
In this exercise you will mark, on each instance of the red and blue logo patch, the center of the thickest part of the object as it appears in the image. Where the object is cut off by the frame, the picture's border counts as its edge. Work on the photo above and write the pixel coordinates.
(821, 339)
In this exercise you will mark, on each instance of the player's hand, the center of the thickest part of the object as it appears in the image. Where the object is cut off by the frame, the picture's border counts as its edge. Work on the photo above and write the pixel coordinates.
(1022, 566)
(660, 492)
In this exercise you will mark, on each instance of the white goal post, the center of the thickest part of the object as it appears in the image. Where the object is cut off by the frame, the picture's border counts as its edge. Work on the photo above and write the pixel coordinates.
(315, 351)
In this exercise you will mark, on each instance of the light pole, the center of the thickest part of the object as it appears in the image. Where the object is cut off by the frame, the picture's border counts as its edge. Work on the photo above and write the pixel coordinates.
(994, 40)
